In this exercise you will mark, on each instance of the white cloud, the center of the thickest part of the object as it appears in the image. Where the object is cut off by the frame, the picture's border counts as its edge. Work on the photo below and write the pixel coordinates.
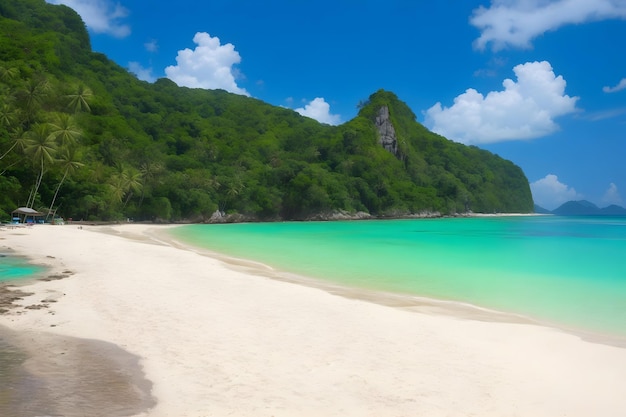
(620, 86)
(605, 114)
(319, 110)
(525, 109)
(612, 196)
(100, 16)
(550, 193)
(516, 22)
(151, 46)
(209, 66)
(142, 73)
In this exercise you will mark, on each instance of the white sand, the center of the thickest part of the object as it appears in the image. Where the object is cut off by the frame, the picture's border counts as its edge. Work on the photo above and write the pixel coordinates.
(220, 342)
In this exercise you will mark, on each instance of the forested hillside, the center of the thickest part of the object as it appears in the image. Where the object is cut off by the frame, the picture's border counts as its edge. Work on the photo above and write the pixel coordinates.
(82, 136)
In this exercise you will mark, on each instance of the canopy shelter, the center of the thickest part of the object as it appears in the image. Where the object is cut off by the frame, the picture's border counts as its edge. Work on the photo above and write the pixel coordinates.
(25, 215)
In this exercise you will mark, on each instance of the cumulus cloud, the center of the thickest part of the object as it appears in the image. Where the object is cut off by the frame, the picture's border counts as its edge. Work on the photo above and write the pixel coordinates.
(100, 16)
(209, 65)
(620, 86)
(525, 109)
(612, 196)
(142, 73)
(319, 110)
(550, 193)
(517, 22)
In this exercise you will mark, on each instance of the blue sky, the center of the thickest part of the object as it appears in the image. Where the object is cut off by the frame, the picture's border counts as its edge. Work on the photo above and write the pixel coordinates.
(541, 83)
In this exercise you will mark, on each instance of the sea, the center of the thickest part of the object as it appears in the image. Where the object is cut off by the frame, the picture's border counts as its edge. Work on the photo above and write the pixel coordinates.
(568, 272)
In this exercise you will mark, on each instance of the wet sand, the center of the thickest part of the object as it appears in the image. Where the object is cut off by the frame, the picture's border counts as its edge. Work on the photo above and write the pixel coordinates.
(52, 375)
(217, 340)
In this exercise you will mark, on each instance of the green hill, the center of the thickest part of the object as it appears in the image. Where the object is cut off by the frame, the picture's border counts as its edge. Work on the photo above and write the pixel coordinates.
(80, 134)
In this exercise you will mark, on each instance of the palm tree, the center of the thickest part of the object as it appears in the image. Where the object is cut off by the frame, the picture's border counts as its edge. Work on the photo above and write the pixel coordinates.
(18, 139)
(7, 74)
(8, 119)
(124, 183)
(117, 188)
(32, 95)
(65, 130)
(150, 171)
(214, 183)
(69, 164)
(79, 99)
(133, 182)
(8, 115)
(233, 187)
(41, 147)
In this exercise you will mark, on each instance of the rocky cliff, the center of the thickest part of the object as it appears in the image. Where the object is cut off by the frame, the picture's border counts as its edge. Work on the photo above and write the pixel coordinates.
(386, 133)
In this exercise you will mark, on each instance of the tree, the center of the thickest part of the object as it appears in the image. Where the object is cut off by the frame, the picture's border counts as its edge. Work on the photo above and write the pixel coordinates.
(41, 147)
(7, 74)
(79, 99)
(69, 164)
(150, 172)
(64, 130)
(117, 188)
(32, 94)
(18, 139)
(125, 183)
(132, 182)
(8, 115)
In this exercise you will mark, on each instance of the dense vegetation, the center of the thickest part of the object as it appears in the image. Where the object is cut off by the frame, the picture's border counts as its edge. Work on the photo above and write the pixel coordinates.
(81, 135)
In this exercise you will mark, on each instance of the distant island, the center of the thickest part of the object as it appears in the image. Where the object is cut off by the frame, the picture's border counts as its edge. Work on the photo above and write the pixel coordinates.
(583, 208)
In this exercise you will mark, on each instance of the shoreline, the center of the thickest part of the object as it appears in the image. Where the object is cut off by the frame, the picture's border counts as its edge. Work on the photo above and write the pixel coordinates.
(408, 301)
(216, 339)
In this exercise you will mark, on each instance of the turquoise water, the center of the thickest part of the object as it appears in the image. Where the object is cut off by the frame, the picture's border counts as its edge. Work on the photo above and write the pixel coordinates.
(12, 268)
(567, 271)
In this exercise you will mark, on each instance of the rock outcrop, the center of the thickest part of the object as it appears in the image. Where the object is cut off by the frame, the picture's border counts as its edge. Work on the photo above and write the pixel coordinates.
(386, 132)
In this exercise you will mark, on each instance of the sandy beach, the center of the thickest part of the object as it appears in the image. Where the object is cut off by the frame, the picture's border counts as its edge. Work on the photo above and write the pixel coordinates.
(214, 340)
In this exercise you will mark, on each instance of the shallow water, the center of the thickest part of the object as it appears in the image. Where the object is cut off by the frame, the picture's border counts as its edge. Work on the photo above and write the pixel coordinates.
(15, 268)
(566, 271)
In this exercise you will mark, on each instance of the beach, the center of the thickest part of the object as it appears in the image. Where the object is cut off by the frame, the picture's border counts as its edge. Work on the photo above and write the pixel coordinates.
(216, 339)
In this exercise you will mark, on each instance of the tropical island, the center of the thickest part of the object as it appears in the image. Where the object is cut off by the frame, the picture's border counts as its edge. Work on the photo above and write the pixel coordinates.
(82, 138)
(133, 319)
